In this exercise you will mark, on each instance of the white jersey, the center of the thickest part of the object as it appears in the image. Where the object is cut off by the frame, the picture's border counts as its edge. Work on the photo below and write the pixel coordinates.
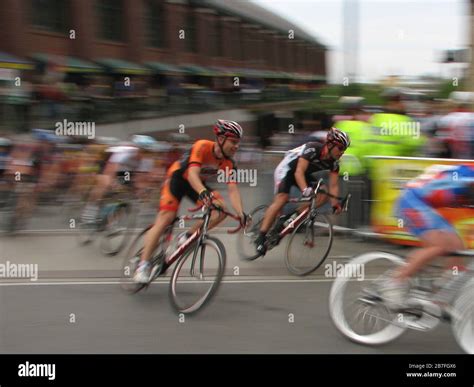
(146, 165)
(125, 156)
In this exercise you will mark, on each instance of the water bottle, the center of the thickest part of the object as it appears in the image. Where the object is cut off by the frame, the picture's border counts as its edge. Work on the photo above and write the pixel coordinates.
(290, 219)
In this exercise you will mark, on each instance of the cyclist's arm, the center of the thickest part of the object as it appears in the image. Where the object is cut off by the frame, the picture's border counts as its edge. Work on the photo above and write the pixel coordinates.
(235, 198)
(111, 169)
(334, 187)
(194, 179)
(301, 168)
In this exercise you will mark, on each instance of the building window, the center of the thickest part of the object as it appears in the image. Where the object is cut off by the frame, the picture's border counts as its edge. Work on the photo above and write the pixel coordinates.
(155, 23)
(216, 40)
(111, 19)
(283, 54)
(190, 31)
(268, 58)
(235, 48)
(275, 53)
(52, 15)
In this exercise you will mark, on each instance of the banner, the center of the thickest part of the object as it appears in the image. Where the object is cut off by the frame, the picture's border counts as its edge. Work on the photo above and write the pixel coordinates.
(389, 176)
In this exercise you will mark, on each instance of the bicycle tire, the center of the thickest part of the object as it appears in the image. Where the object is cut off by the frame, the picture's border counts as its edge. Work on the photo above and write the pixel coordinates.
(122, 233)
(133, 257)
(464, 318)
(246, 239)
(130, 263)
(9, 213)
(176, 300)
(339, 290)
(311, 267)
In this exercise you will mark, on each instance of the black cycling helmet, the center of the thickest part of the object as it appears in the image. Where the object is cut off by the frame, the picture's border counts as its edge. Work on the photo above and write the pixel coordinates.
(338, 136)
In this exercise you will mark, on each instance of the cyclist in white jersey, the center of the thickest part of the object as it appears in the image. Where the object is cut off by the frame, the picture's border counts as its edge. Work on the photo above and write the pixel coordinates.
(296, 169)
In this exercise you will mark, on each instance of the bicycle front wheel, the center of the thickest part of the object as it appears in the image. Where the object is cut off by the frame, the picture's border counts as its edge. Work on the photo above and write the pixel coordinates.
(195, 281)
(309, 245)
(356, 307)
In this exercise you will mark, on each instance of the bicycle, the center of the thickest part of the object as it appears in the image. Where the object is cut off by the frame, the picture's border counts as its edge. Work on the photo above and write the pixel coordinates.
(429, 301)
(309, 229)
(115, 219)
(18, 205)
(182, 295)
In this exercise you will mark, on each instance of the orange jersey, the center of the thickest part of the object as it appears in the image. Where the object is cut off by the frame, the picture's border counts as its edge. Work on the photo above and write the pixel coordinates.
(202, 155)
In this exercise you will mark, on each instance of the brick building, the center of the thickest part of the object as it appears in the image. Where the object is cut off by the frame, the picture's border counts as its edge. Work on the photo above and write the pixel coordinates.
(206, 33)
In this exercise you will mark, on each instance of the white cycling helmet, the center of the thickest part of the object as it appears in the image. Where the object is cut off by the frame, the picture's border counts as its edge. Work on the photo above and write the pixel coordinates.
(144, 142)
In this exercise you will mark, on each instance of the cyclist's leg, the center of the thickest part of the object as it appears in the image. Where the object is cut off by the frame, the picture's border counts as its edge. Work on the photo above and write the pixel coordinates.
(90, 212)
(104, 180)
(436, 243)
(271, 213)
(163, 219)
(273, 210)
(284, 180)
(438, 236)
(169, 205)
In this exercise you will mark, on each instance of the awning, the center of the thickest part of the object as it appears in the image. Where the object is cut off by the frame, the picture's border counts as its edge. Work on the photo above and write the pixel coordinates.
(303, 77)
(121, 66)
(68, 64)
(198, 70)
(285, 75)
(8, 61)
(272, 74)
(225, 71)
(164, 68)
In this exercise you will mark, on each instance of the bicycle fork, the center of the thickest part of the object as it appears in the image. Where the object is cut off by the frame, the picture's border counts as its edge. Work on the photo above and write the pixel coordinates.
(201, 260)
(200, 243)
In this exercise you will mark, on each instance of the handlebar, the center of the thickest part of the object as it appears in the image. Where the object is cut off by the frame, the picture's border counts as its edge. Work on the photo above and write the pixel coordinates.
(213, 207)
(344, 200)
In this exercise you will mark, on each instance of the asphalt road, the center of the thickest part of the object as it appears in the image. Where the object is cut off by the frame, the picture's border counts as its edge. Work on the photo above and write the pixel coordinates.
(77, 306)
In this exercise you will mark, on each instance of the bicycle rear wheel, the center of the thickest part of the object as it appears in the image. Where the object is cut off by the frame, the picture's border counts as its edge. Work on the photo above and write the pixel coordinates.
(309, 245)
(133, 256)
(190, 292)
(9, 216)
(246, 239)
(463, 322)
(119, 222)
(130, 264)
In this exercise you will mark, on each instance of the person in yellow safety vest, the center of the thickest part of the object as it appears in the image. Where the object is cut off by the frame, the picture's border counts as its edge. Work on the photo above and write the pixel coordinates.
(353, 162)
(354, 123)
(393, 132)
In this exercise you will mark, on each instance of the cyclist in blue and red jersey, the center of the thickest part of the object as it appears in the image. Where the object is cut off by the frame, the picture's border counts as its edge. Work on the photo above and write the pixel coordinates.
(439, 186)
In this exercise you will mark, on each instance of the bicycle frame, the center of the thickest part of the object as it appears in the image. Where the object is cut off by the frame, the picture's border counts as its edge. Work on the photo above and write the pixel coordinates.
(199, 236)
(295, 223)
(449, 291)
(309, 212)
